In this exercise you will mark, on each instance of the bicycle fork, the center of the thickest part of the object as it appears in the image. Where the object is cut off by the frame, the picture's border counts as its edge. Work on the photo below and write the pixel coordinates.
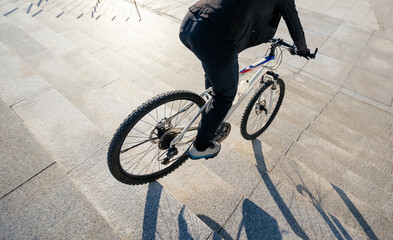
(274, 77)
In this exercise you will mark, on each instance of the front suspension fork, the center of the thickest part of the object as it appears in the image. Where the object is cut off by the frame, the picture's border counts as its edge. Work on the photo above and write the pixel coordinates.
(274, 78)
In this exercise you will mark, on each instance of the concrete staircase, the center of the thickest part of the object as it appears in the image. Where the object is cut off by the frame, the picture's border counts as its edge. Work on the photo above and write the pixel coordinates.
(73, 70)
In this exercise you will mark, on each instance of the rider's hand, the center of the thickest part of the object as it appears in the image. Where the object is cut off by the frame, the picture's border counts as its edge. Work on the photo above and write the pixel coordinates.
(305, 53)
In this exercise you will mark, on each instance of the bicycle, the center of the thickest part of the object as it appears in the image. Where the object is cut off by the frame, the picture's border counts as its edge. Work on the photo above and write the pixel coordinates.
(163, 128)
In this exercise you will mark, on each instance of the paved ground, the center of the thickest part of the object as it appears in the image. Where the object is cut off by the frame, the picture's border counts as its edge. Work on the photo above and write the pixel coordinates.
(73, 70)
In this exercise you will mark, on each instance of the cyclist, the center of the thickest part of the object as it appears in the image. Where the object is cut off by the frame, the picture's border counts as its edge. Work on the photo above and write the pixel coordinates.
(216, 31)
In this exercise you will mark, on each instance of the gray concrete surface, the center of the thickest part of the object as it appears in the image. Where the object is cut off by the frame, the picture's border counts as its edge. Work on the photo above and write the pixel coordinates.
(50, 207)
(21, 155)
(74, 70)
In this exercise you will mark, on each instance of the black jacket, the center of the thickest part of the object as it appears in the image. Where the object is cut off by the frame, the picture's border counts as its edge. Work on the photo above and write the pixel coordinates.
(252, 21)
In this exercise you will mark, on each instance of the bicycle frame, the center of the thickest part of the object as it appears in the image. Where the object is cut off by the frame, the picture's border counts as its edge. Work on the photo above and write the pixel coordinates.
(251, 84)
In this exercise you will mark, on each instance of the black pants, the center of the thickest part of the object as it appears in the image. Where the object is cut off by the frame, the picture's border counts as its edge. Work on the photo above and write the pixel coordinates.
(215, 47)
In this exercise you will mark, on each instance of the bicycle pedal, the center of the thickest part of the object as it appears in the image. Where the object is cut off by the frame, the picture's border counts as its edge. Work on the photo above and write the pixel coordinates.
(222, 132)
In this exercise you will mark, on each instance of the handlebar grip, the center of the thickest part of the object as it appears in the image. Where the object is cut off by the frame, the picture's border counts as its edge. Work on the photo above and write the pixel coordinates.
(285, 44)
(314, 54)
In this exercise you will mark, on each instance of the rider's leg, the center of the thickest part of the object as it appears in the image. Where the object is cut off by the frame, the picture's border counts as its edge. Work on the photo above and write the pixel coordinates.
(215, 47)
(224, 85)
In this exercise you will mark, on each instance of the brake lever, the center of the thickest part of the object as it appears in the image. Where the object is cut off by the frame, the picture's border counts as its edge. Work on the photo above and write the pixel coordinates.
(314, 54)
(293, 51)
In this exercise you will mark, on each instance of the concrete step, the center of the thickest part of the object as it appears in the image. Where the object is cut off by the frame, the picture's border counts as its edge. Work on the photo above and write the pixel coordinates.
(75, 5)
(115, 91)
(212, 198)
(119, 64)
(343, 178)
(130, 92)
(111, 112)
(361, 117)
(34, 33)
(22, 156)
(101, 107)
(82, 98)
(308, 93)
(83, 94)
(145, 64)
(131, 57)
(47, 201)
(67, 134)
(203, 192)
(100, 60)
(331, 199)
(271, 204)
(355, 143)
(18, 81)
(35, 193)
(117, 11)
(98, 73)
(88, 95)
(153, 209)
(363, 168)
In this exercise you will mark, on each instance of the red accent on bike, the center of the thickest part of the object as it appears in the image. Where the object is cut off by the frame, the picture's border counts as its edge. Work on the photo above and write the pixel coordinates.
(245, 70)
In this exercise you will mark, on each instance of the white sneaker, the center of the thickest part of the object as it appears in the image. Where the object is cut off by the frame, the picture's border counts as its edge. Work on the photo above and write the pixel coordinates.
(209, 152)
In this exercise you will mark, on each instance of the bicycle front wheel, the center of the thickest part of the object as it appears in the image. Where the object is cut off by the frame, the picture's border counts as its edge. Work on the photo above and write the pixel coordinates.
(262, 109)
(140, 149)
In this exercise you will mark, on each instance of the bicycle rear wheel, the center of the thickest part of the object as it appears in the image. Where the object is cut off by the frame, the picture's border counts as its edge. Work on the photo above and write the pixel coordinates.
(138, 152)
(256, 118)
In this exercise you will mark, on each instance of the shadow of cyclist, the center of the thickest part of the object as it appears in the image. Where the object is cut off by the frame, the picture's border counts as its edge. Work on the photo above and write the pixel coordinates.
(256, 224)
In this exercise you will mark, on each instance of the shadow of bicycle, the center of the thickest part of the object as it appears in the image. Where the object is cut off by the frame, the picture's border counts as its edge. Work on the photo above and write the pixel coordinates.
(165, 219)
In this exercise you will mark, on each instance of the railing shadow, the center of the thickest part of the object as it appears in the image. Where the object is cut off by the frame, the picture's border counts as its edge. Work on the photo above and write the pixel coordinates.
(343, 234)
(254, 222)
(286, 212)
(355, 212)
(332, 222)
(174, 223)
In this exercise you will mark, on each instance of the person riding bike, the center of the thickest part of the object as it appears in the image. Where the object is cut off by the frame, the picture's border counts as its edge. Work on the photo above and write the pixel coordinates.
(216, 31)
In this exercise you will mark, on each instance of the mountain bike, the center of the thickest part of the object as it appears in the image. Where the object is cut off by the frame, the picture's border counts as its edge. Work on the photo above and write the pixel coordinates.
(153, 140)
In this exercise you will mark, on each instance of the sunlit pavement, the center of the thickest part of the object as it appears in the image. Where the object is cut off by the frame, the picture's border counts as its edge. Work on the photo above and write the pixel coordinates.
(71, 71)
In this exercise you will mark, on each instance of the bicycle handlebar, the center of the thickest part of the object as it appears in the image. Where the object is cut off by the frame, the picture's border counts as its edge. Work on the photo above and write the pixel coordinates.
(275, 42)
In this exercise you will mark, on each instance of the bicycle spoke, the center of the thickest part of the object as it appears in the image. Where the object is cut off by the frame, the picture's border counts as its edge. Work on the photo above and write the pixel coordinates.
(170, 114)
(177, 111)
(135, 136)
(133, 155)
(140, 132)
(137, 145)
(141, 152)
(146, 152)
(186, 115)
(147, 166)
(253, 125)
(152, 117)
(164, 109)
(147, 123)
(132, 158)
(155, 162)
(157, 114)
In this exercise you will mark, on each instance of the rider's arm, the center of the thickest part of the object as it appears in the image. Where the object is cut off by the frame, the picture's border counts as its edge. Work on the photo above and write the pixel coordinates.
(290, 15)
